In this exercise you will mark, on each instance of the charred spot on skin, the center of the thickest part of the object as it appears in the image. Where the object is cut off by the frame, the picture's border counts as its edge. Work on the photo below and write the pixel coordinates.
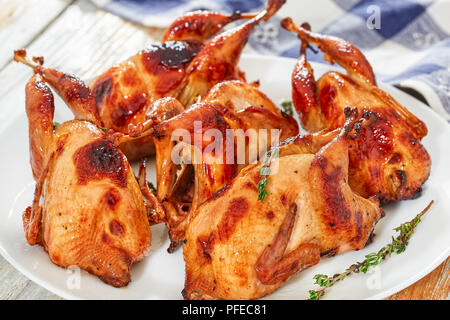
(102, 88)
(98, 160)
(293, 266)
(270, 215)
(320, 161)
(358, 127)
(112, 198)
(334, 199)
(401, 175)
(347, 112)
(367, 114)
(329, 253)
(236, 210)
(172, 54)
(76, 89)
(116, 228)
(358, 225)
(211, 119)
(168, 61)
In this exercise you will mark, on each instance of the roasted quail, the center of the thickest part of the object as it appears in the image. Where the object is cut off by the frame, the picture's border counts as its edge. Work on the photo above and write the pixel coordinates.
(387, 158)
(231, 111)
(92, 214)
(238, 247)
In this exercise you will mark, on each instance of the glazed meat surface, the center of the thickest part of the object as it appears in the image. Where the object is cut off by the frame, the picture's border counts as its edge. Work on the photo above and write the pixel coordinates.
(238, 247)
(229, 105)
(184, 66)
(92, 214)
(387, 159)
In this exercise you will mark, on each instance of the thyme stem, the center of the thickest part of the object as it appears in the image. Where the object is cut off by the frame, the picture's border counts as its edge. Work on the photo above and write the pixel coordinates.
(264, 171)
(397, 245)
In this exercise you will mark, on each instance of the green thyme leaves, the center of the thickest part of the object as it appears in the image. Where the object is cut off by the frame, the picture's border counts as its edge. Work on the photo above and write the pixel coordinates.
(397, 245)
(264, 171)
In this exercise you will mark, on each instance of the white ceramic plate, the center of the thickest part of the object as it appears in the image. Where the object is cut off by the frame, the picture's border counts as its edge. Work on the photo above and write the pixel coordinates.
(161, 275)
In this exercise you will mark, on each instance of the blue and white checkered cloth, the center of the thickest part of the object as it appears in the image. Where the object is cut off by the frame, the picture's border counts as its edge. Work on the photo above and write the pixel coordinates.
(406, 41)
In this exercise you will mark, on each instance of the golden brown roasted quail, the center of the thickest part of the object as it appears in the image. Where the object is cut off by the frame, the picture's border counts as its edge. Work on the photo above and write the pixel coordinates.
(231, 111)
(238, 247)
(92, 214)
(387, 158)
(176, 68)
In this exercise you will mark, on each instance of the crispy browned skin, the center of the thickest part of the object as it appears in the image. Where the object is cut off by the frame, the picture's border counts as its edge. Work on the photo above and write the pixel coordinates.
(123, 95)
(176, 67)
(228, 105)
(75, 93)
(217, 61)
(93, 214)
(125, 92)
(238, 247)
(387, 159)
(200, 25)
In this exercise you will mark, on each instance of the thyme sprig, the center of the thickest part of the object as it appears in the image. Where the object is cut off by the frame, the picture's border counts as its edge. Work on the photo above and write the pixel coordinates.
(286, 107)
(151, 186)
(398, 245)
(264, 171)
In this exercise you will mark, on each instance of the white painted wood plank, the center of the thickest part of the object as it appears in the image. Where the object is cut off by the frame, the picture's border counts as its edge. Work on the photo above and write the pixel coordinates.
(22, 20)
(82, 40)
(13, 285)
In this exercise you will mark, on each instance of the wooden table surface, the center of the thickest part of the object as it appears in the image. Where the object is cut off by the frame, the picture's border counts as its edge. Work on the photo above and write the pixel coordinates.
(77, 37)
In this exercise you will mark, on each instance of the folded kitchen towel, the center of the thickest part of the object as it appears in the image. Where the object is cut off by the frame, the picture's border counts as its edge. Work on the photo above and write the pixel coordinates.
(406, 41)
